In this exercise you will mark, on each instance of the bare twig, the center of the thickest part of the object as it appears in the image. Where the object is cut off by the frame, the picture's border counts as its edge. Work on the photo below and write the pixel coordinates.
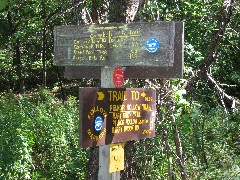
(225, 96)
(179, 160)
(201, 70)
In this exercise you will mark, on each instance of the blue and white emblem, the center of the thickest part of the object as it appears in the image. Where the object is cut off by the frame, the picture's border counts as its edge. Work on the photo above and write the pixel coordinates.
(98, 123)
(152, 45)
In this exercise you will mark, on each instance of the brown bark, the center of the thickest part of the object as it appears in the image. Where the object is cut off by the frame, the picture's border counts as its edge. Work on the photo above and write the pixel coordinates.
(123, 11)
(235, 103)
(224, 19)
(118, 11)
(44, 38)
(178, 159)
(129, 161)
(179, 151)
(93, 156)
(93, 164)
(76, 12)
(164, 140)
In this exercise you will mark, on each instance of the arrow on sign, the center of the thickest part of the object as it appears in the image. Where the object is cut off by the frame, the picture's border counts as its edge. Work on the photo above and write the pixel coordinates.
(143, 94)
(100, 96)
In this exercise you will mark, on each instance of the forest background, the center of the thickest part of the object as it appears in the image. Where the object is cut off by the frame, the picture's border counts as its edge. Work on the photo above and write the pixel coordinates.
(198, 118)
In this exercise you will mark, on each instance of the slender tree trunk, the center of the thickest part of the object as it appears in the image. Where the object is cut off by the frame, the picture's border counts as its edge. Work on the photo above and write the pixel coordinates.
(75, 12)
(197, 143)
(44, 70)
(44, 39)
(18, 66)
(129, 161)
(203, 145)
(93, 164)
(95, 11)
(179, 151)
(198, 133)
(93, 155)
(164, 140)
(117, 10)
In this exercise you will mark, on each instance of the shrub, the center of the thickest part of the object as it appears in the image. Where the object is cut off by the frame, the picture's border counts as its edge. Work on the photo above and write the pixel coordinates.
(39, 138)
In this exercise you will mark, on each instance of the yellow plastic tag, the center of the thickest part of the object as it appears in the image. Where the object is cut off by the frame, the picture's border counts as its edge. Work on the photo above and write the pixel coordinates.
(116, 157)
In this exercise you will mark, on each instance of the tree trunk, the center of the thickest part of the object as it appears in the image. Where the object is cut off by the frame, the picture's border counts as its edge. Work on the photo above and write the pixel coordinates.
(120, 11)
(18, 66)
(93, 164)
(179, 151)
(44, 38)
(44, 70)
(75, 12)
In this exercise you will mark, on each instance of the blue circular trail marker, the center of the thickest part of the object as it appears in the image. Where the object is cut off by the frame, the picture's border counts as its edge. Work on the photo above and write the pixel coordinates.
(98, 123)
(152, 45)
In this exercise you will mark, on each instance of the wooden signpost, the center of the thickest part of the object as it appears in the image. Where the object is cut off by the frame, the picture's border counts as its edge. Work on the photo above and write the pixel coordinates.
(111, 115)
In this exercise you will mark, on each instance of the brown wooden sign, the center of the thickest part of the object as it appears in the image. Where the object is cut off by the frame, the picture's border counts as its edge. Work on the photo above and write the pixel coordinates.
(139, 72)
(134, 44)
(109, 115)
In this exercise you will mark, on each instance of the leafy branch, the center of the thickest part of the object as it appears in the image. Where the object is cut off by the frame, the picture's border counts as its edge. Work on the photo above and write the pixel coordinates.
(202, 69)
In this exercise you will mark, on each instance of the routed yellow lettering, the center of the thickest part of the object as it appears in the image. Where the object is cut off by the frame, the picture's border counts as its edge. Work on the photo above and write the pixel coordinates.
(117, 95)
(135, 95)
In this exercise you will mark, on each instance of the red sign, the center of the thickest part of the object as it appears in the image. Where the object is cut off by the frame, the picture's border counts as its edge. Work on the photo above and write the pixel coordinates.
(118, 77)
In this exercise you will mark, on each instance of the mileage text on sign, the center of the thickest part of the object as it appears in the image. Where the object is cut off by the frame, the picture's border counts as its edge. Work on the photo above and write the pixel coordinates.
(115, 45)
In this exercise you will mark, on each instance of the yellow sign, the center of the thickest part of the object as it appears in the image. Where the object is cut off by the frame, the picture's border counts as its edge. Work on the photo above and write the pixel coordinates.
(116, 157)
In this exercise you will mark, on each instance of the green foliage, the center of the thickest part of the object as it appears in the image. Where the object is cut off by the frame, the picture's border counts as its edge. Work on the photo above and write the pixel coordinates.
(3, 4)
(26, 22)
(39, 134)
(209, 135)
(218, 141)
(210, 138)
(39, 138)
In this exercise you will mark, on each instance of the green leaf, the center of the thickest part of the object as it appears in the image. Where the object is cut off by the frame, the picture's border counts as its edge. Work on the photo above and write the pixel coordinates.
(3, 4)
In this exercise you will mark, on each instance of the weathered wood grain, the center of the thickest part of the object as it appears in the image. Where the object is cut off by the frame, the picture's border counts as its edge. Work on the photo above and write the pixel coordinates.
(114, 44)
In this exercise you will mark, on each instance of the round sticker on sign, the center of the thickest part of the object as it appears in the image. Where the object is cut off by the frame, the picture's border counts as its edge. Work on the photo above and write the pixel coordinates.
(152, 45)
(98, 123)
(118, 77)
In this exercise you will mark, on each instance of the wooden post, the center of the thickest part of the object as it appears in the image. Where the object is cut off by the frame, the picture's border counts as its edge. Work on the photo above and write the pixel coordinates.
(104, 151)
